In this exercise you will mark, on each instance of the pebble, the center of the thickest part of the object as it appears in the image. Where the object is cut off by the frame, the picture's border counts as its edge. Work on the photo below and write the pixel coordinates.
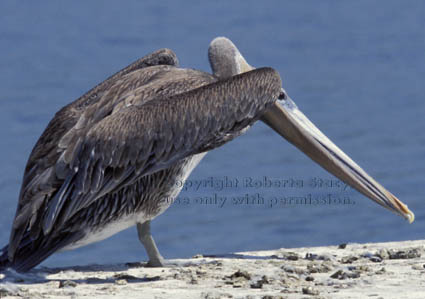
(259, 283)
(314, 257)
(292, 269)
(404, 254)
(383, 253)
(349, 259)
(323, 267)
(67, 283)
(126, 276)
(375, 259)
(201, 272)
(342, 246)
(291, 256)
(310, 291)
(240, 273)
(341, 274)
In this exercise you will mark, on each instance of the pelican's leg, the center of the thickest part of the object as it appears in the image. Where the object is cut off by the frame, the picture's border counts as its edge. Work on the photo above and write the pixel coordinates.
(144, 232)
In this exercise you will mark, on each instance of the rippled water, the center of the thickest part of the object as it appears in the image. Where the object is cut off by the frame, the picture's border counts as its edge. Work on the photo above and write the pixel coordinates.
(356, 68)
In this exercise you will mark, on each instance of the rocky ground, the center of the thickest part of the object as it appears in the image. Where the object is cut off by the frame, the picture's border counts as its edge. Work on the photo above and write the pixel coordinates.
(379, 270)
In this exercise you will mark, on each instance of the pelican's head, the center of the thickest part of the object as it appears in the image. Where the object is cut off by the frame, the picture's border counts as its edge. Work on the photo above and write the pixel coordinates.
(287, 120)
(225, 58)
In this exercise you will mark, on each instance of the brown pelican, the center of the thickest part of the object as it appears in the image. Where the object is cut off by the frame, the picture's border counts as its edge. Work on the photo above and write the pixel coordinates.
(107, 160)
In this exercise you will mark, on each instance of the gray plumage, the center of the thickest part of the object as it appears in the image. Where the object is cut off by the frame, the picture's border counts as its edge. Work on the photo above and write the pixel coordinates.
(116, 151)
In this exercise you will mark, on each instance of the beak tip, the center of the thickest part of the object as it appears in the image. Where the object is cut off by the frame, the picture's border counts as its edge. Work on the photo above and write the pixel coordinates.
(400, 207)
(410, 216)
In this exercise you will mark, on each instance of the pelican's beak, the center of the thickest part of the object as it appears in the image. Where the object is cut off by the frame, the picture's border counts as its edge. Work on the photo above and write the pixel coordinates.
(286, 119)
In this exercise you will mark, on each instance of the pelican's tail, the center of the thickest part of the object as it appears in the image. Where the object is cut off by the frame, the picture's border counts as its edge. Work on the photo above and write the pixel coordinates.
(30, 252)
(4, 259)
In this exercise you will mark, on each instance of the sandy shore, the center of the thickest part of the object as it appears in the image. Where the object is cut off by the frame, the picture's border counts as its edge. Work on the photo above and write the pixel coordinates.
(379, 270)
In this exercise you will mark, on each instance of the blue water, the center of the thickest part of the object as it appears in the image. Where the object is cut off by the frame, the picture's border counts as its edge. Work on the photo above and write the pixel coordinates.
(356, 68)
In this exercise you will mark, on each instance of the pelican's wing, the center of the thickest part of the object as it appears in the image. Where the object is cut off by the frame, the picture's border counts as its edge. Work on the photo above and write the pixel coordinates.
(67, 117)
(40, 180)
(142, 139)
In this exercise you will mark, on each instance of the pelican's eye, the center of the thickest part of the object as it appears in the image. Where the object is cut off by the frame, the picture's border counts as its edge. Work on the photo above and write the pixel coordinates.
(282, 96)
